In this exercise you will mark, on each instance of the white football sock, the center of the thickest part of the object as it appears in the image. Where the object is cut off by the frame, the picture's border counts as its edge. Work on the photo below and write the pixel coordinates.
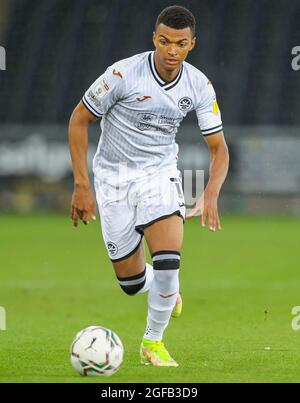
(163, 293)
(149, 279)
(137, 283)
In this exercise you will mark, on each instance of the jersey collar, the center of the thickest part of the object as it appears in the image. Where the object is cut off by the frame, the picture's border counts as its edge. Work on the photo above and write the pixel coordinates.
(167, 85)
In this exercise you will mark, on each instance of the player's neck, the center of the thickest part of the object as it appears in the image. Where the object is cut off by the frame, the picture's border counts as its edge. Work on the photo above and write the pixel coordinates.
(165, 74)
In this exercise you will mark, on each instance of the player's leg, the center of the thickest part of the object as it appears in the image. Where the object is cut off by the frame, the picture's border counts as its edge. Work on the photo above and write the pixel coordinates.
(133, 273)
(164, 239)
(160, 214)
(124, 244)
(165, 234)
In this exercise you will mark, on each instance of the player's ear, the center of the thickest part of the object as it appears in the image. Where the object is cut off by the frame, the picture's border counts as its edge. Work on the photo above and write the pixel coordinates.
(193, 43)
(153, 37)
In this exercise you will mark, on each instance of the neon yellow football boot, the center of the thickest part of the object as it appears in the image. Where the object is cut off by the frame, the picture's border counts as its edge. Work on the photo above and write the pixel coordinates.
(177, 308)
(155, 353)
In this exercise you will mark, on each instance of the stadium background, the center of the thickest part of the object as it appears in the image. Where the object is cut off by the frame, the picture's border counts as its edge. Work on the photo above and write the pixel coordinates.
(54, 51)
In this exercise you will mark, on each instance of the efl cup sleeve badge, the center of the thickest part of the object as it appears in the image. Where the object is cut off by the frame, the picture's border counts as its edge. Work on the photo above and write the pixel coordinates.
(185, 104)
(101, 88)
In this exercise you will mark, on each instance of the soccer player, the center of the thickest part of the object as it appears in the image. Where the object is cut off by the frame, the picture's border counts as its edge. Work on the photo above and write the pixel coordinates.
(141, 102)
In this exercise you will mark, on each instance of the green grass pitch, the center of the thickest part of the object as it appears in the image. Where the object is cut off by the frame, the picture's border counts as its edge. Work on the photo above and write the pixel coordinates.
(239, 287)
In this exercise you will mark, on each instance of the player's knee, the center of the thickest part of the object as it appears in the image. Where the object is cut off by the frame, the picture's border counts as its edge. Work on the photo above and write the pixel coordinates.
(166, 266)
(133, 284)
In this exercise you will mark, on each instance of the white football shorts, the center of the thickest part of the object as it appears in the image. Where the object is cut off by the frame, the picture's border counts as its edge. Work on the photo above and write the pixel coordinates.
(125, 210)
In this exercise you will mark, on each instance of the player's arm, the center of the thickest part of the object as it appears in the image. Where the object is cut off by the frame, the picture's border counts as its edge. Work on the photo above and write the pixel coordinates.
(97, 100)
(219, 162)
(210, 123)
(83, 203)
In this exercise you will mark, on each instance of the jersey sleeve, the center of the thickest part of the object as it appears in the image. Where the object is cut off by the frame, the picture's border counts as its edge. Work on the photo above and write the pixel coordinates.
(208, 113)
(104, 92)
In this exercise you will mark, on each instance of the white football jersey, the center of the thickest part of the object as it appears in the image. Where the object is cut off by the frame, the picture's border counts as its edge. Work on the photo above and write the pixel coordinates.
(140, 114)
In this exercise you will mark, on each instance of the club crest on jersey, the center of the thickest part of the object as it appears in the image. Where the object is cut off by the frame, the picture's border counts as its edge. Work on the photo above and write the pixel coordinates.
(112, 248)
(185, 104)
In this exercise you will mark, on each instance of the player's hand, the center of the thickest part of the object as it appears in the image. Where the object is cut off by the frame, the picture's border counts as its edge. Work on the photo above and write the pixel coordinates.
(207, 206)
(83, 205)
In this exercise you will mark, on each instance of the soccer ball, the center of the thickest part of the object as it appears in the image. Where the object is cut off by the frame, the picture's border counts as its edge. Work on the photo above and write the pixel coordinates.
(97, 351)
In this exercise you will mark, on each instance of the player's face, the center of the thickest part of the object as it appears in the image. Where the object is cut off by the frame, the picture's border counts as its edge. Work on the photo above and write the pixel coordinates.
(172, 46)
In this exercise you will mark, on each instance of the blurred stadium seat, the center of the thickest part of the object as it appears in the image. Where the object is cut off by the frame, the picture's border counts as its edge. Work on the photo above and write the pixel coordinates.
(55, 49)
(58, 47)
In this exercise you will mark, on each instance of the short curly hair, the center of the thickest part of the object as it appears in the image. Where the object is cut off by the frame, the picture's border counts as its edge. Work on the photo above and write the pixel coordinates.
(177, 17)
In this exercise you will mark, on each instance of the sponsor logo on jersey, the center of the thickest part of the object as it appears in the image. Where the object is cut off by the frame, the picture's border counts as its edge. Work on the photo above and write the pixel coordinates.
(117, 73)
(112, 248)
(145, 97)
(168, 120)
(185, 104)
(145, 120)
(164, 124)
